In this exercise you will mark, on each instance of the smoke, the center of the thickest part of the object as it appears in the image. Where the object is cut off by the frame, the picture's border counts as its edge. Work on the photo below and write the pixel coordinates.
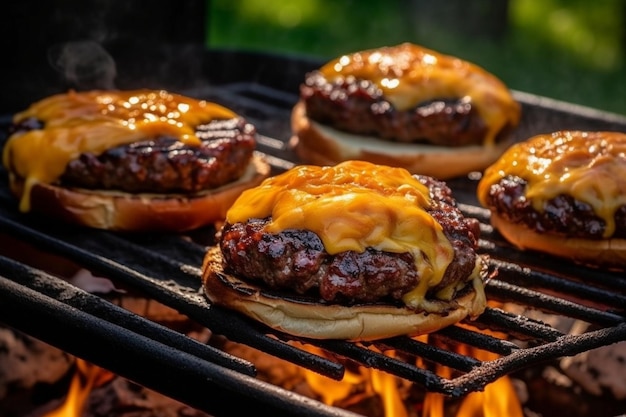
(84, 64)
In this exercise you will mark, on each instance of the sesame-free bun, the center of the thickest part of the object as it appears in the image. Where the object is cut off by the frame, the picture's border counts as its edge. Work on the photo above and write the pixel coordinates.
(121, 211)
(319, 144)
(608, 253)
(308, 318)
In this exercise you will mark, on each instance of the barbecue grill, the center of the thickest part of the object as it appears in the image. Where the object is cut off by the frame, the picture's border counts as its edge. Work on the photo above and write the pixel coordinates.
(166, 267)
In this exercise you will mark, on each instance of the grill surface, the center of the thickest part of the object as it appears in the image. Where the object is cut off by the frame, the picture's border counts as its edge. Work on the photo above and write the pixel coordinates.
(166, 267)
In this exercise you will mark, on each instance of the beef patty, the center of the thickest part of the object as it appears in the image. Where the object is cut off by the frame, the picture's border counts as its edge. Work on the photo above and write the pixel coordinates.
(296, 259)
(359, 106)
(165, 164)
(562, 215)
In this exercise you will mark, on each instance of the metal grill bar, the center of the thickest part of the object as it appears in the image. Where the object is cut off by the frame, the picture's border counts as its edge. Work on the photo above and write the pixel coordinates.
(565, 346)
(172, 290)
(431, 352)
(55, 288)
(477, 340)
(519, 327)
(498, 290)
(534, 278)
(162, 368)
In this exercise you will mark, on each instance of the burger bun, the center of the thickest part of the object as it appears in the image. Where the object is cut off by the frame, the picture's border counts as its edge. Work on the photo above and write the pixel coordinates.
(608, 253)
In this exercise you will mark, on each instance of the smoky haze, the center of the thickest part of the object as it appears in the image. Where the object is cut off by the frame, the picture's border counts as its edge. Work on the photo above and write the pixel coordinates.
(84, 64)
(54, 45)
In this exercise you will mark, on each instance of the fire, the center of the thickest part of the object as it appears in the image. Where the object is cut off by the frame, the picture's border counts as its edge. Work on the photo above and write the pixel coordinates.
(371, 380)
(498, 398)
(86, 377)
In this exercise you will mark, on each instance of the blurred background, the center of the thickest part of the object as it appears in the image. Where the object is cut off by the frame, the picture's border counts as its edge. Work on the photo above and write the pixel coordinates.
(571, 50)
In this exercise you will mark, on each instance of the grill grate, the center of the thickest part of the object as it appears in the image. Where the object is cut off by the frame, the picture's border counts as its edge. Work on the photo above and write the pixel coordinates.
(165, 267)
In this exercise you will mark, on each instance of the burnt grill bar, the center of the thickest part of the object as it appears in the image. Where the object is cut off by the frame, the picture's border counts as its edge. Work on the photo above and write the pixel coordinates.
(498, 290)
(171, 289)
(528, 277)
(565, 346)
(185, 376)
(54, 288)
(166, 268)
(490, 344)
(432, 353)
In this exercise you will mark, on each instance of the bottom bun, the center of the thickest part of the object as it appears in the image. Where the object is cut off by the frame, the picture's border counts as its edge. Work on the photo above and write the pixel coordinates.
(608, 253)
(318, 144)
(114, 210)
(304, 317)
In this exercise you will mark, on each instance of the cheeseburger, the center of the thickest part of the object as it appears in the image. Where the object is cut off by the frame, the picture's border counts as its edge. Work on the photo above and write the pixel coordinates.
(355, 251)
(404, 106)
(562, 193)
(131, 160)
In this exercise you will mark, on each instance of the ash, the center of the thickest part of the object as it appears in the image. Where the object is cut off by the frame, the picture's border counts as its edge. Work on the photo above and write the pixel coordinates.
(122, 398)
(26, 362)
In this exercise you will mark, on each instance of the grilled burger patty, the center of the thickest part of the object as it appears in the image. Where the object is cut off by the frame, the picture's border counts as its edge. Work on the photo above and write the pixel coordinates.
(562, 214)
(296, 259)
(358, 106)
(165, 164)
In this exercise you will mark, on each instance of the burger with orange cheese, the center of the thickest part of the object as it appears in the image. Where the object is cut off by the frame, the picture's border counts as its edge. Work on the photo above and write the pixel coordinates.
(131, 160)
(562, 193)
(405, 106)
(355, 251)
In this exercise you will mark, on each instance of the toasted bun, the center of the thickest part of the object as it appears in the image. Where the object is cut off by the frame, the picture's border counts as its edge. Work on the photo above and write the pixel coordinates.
(114, 210)
(610, 253)
(307, 318)
(586, 166)
(318, 144)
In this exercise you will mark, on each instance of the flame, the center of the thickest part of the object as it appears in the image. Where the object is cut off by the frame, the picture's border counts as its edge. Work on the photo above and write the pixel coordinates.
(330, 390)
(498, 398)
(385, 385)
(434, 403)
(372, 381)
(86, 377)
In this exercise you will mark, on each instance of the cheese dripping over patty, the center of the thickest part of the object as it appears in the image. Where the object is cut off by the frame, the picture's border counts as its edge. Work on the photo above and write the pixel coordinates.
(94, 121)
(589, 166)
(353, 206)
(409, 74)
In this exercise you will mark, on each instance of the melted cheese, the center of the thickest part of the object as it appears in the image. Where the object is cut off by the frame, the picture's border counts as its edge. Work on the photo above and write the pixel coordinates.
(95, 121)
(408, 75)
(353, 206)
(589, 166)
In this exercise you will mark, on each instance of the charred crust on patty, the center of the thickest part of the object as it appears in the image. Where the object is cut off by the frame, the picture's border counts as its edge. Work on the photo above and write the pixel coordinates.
(358, 106)
(563, 214)
(166, 165)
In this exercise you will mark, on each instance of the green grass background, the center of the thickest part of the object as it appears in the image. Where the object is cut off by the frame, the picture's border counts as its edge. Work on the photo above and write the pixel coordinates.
(570, 50)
